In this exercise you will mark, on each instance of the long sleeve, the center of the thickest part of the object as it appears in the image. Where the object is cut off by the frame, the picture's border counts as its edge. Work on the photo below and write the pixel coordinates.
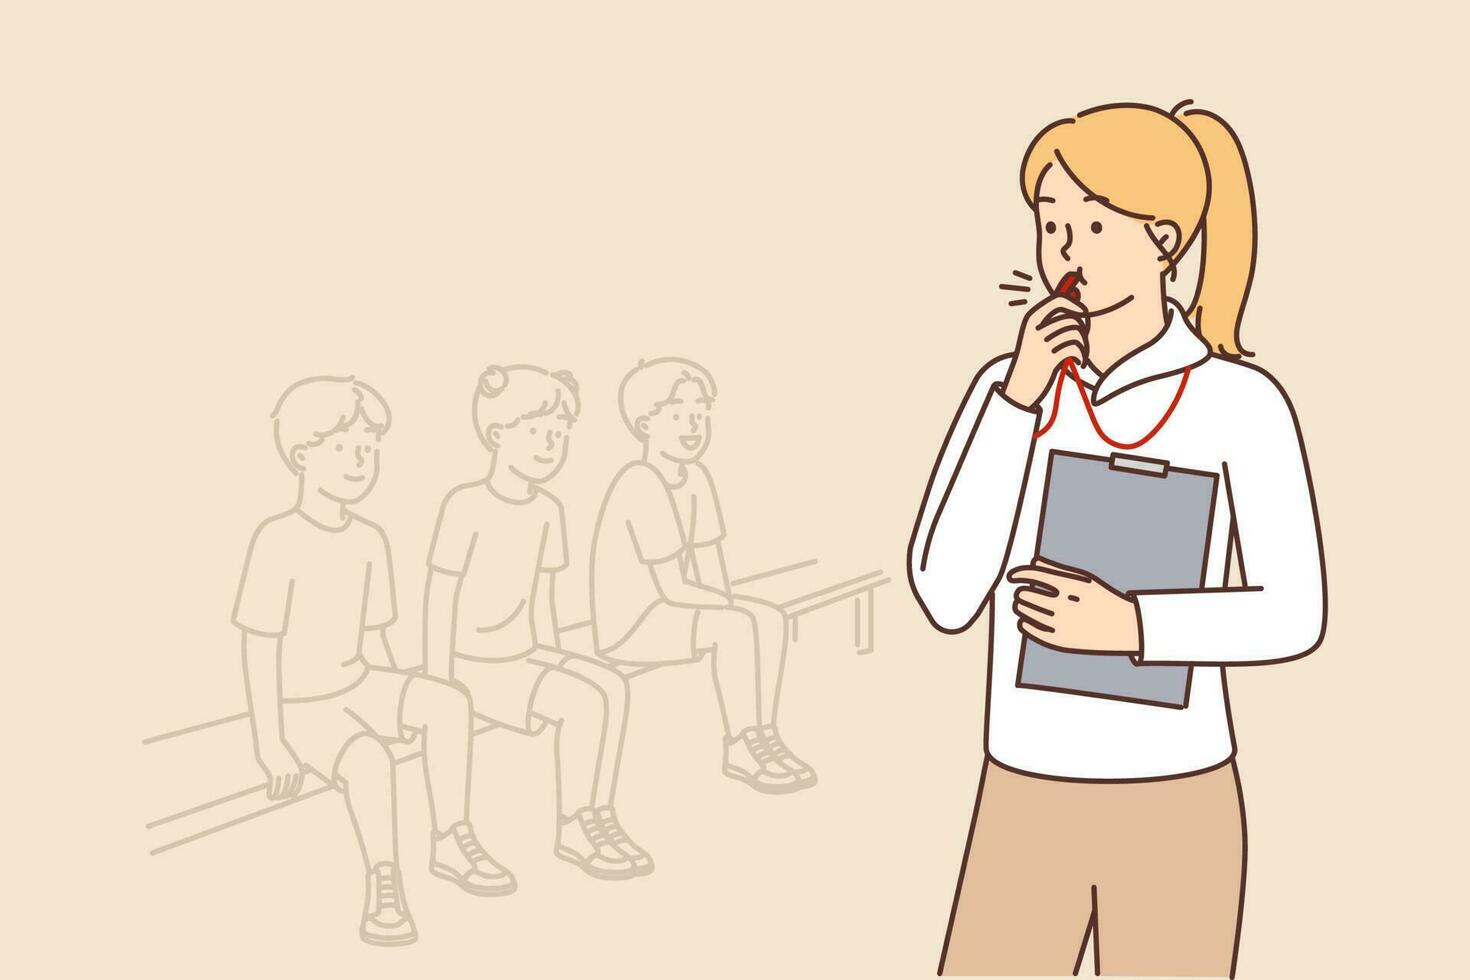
(969, 512)
(1281, 612)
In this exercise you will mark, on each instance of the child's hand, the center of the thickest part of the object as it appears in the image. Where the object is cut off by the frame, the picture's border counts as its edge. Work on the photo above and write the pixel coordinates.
(1068, 609)
(282, 770)
(1052, 331)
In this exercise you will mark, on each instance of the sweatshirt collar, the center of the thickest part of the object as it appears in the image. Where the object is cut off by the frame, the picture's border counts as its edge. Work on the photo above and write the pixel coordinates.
(1173, 349)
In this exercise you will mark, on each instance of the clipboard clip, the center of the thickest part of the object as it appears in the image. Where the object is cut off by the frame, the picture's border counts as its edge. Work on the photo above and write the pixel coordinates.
(1139, 464)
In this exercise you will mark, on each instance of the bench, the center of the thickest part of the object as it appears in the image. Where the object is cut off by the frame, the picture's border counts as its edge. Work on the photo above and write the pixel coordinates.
(799, 589)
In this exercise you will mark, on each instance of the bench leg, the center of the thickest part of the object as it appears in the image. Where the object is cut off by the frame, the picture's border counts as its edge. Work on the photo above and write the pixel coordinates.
(862, 622)
(795, 630)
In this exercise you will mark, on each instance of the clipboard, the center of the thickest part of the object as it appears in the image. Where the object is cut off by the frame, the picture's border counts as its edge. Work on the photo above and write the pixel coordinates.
(1138, 524)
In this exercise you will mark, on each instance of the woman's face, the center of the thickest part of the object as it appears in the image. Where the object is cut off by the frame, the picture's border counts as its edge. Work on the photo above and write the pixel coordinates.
(1077, 231)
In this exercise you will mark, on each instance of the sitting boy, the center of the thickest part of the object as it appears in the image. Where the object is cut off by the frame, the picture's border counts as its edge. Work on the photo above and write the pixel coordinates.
(490, 617)
(315, 597)
(660, 592)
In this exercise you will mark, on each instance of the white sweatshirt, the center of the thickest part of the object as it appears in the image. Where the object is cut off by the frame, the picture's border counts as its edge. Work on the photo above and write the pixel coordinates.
(979, 521)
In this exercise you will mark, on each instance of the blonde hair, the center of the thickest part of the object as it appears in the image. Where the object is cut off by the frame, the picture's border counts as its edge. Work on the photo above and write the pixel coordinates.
(1186, 167)
(313, 409)
(506, 395)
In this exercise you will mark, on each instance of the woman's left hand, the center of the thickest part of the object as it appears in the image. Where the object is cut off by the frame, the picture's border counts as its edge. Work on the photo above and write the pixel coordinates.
(1069, 609)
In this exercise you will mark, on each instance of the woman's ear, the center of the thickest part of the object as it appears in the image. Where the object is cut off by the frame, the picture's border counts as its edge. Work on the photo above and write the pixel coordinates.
(1166, 237)
(492, 436)
(298, 457)
(643, 427)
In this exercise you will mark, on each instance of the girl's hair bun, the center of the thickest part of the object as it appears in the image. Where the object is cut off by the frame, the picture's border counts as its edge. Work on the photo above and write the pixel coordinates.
(493, 381)
(565, 377)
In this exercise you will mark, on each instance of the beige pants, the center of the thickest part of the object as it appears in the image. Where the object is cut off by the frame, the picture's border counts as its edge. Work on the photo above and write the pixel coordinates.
(1158, 867)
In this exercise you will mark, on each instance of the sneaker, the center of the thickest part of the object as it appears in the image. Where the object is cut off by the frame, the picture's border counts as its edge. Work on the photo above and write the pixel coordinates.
(751, 760)
(458, 857)
(620, 839)
(583, 839)
(804, 773)
(385, 918)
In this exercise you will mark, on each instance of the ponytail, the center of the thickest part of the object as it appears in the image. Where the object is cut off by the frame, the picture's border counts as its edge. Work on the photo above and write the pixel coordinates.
(1227, 234)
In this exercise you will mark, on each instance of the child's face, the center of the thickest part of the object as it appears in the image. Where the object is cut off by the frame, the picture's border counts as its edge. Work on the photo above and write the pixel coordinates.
(680, 429)
(535, 448)
(1118, 259)
(344, 466)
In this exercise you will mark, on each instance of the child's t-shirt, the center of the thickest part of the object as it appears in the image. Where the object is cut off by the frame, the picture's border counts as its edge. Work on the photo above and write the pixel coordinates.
(645, 521)
(497, 548)
(317, 588)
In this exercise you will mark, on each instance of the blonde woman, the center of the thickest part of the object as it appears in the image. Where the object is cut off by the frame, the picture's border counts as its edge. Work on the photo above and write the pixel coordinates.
(1116, 816)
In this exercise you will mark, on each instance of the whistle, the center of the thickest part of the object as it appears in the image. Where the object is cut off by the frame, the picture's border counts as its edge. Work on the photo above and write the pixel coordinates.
(1068, 286)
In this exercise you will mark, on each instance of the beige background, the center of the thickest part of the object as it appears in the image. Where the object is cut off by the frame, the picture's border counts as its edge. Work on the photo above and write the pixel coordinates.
(204, 202)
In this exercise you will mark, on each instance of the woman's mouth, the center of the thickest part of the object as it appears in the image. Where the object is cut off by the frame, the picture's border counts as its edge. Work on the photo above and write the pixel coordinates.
(690, 442)
(355, 479)
(547, 460)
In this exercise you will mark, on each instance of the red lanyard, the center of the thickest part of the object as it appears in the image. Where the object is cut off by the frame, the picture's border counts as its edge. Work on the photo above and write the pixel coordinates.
(1069, 367)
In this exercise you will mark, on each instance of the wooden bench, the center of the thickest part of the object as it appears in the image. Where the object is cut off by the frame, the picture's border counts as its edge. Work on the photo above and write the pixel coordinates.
(797, 588)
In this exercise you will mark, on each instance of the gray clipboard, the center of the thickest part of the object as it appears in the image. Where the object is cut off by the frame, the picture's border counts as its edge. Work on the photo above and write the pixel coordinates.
(1136, 523)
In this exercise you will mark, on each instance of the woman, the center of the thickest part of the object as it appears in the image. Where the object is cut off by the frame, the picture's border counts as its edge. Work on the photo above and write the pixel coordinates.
(1115, 815)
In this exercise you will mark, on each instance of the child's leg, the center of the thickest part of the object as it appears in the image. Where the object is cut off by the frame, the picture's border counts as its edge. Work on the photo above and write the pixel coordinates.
(770, 629)
(731, 633)
(588, 704)
(366, 771)
(442, 713)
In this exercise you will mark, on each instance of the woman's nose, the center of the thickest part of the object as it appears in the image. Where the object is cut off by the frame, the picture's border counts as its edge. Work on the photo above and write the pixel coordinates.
(362, 453)
(694, 418)
(1067, 245)
(550, 439)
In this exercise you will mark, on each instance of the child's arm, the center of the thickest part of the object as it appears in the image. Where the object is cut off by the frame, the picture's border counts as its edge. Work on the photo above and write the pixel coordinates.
(709, 565)
(375, 649)
(439, 624)
(677, 590)
(261, 659)
(543, 612)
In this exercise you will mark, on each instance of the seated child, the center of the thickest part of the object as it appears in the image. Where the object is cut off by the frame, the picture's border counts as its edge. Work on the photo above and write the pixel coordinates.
(315, 598)
(490, 618)
(660, 592)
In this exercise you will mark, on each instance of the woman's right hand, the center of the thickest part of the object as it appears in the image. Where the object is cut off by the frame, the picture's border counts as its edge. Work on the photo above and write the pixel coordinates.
(1051, 331)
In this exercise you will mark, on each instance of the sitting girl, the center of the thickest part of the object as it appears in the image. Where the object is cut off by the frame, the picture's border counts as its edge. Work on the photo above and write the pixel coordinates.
(490, 621)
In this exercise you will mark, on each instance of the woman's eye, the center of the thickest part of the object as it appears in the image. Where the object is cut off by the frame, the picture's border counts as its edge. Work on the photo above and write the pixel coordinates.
(676, 416)
(560, 434)
(1097, 227)
(339, 447)
(1051, 227)
(533, 430)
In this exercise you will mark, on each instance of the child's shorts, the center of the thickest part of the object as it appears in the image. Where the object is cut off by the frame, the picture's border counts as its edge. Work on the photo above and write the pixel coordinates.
(664, 635)
(503, 690)
(318, 730)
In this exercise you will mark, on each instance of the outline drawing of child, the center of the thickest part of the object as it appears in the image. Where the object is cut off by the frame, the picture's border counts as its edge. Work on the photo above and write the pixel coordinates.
(490, 618)
(314, 603)
(660, 590)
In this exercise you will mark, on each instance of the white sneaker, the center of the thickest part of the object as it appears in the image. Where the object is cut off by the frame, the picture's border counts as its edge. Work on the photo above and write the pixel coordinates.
(641, 859)
(385, 918)
(751, 760)
(804, 773)
(458, 857)
(583, 839)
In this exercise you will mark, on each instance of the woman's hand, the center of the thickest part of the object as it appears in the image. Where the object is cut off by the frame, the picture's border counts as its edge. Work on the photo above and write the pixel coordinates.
(1052, 331)
(1068, 609)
